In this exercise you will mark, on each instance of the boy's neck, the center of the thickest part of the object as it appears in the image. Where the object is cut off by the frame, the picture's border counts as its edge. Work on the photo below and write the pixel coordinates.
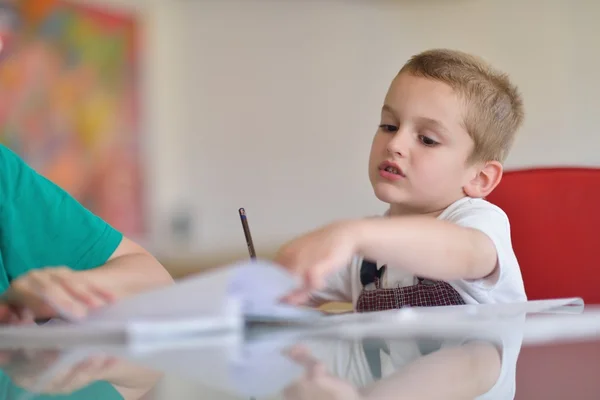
(401, 210)
(396, 210)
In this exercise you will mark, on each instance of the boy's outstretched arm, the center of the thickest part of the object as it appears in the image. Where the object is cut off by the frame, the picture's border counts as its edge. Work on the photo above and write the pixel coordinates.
(428, 247)
(425, 246)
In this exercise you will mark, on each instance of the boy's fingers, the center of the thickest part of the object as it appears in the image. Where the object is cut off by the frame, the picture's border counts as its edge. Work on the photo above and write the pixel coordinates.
(312, 278)
(297, 297)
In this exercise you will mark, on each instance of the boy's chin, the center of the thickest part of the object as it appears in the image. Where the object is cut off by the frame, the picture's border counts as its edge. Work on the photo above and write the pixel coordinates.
(389, 195)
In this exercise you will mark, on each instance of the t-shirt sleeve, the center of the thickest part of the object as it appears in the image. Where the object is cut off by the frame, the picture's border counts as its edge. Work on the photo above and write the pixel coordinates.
(42, 225)
(493, 222)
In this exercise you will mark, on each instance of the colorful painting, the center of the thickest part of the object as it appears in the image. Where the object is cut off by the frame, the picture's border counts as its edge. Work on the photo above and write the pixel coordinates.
(69, 106)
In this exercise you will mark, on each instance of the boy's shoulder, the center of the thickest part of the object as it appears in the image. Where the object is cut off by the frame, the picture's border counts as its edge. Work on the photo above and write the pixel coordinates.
(469, 208)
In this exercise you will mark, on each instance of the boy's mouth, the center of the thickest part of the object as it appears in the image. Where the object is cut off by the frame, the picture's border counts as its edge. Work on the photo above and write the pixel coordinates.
(391, 168)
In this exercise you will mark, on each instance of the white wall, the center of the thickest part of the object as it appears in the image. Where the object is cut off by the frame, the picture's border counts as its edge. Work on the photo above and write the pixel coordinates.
(271, 105)
(284, 97)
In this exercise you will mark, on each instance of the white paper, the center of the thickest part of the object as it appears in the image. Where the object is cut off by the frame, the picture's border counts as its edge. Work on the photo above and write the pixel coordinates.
(201, 295)
(211, 301)
(260, 285)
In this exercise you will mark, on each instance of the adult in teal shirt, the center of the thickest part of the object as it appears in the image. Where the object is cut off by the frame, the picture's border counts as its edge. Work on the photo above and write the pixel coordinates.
(56, 257)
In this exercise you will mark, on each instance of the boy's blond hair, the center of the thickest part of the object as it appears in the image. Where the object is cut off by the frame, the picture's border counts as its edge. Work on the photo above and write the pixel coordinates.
(494, 108)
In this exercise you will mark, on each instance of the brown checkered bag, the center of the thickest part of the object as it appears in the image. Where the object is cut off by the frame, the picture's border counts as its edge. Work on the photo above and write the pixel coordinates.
(426, 293)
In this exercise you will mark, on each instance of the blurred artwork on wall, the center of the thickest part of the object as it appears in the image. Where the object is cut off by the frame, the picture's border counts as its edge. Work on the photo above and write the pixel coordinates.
(69, 105)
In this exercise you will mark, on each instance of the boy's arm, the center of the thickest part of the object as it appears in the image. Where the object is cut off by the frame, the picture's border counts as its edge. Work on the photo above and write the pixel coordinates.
(425, 246)
(470, 245)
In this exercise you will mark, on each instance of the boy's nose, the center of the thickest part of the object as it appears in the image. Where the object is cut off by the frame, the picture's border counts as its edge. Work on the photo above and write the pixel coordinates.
(399, 143)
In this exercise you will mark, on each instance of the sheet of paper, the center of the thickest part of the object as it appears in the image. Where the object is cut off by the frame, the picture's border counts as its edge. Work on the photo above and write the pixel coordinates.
(254, 285)
(201, 295)
(260, 285)
(214, 300)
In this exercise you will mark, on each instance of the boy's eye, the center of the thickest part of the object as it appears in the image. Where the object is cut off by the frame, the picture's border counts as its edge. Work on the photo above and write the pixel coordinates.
(427, 141)
(388, 128)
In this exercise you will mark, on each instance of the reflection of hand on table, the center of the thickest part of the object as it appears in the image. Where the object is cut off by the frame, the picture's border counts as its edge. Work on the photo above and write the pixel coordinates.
(316, 383)
(26, 368)
(461, 372)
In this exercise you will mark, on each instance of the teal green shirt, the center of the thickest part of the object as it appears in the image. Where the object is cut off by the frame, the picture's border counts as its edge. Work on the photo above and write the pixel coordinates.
(94, 391)
(41, 225)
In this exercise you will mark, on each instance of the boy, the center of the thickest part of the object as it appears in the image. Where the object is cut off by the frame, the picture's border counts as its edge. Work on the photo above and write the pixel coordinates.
(447, 124)
(57, 259)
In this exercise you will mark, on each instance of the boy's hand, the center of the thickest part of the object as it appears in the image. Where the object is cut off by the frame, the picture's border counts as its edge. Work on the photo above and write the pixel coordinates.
(317, 254)
(54, 292)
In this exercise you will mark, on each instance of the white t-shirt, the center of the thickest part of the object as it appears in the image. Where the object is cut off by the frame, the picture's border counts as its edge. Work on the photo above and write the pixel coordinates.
(345, 286)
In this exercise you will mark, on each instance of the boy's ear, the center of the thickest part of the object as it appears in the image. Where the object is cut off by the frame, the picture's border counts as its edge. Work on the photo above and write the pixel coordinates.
(485, 180)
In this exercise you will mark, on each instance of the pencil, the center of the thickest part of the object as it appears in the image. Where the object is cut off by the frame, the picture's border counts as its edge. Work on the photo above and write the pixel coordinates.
(247, 234)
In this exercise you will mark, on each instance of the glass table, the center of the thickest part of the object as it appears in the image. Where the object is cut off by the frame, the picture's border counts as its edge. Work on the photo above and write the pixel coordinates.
(533, 356)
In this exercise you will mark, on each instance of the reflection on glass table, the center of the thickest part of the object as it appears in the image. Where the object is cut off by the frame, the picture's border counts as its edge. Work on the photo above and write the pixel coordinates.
(477, 362)
(47, 373)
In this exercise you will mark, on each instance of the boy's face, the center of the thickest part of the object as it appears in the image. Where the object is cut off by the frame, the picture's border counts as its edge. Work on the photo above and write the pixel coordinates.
(424, 146)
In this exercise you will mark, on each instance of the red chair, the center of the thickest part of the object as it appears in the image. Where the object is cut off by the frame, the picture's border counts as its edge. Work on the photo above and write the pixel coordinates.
(555, 223)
